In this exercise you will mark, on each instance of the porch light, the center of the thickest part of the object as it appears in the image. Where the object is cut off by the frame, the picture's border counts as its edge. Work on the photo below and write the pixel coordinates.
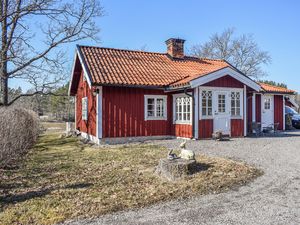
(95, 92)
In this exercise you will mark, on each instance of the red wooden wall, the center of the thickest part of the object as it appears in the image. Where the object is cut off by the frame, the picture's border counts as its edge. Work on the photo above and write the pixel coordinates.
(123, 113)
(83, 90)
(226, 81)
(278, 111)
(206, 128)
(182, 130)
(237, 128)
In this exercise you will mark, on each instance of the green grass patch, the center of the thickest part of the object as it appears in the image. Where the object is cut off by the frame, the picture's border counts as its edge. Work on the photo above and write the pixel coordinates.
(62, 179)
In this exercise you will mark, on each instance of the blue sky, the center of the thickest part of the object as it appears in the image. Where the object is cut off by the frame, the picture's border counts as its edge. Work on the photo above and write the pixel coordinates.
(132, 24)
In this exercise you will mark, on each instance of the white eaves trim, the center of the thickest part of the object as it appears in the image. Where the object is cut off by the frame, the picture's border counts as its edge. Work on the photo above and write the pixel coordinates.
(84, 70)
(223, 72)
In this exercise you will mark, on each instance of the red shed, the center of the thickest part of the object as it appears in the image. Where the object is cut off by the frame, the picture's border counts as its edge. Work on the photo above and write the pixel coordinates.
(124, 94)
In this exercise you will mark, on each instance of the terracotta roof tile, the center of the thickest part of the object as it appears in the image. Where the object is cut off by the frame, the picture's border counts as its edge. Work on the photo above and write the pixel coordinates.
(275, 89)
(127, 67)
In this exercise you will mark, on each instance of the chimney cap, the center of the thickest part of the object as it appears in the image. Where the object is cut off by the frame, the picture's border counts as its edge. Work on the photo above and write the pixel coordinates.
(178, 40)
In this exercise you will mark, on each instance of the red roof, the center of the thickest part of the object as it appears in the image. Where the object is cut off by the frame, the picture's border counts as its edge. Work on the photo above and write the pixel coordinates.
(126, 67)
(109, 66)
(275, 89)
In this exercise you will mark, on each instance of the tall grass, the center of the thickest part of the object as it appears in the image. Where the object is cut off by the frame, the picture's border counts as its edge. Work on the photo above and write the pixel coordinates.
(19, 130)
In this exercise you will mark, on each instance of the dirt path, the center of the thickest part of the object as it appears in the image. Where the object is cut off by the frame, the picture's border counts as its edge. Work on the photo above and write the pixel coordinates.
(273, 198)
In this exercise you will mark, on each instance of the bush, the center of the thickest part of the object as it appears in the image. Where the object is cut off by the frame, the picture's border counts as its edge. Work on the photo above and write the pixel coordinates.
(19, 130)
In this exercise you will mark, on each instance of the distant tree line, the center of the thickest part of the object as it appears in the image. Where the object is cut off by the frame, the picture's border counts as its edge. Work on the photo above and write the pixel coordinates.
(57, 106)
(273, 83)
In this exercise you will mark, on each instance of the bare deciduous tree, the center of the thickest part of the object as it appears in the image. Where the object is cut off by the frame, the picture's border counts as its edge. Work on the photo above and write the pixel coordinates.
(32, 32)
(242, 52)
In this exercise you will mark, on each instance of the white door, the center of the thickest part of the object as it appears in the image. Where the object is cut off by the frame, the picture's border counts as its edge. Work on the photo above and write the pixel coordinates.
(221, 112)
(267, 116)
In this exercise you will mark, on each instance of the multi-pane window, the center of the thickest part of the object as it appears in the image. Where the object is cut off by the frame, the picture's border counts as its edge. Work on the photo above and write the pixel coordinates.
(267, 103)
(206, 103)
(84, 105)
(183, 107)
(221, 103)
(155, 107)
(235, 104)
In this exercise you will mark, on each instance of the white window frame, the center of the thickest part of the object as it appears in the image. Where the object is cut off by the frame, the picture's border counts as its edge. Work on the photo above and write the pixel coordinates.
(225, 89)
(155, 97)
(212, 104)
(174, 109)
(84, 108)
(241, 104)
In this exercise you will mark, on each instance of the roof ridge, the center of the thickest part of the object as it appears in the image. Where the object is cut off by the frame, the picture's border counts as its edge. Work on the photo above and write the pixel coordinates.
(147, 52)
(120, 49)
(211, 59)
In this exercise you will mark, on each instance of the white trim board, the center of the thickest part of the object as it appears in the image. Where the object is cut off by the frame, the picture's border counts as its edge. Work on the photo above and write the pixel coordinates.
(85, 74)
(224, 72)
(99, 117)
(196, 114)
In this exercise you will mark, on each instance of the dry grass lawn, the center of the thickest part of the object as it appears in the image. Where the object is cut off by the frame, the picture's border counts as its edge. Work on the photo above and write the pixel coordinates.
(62, 179)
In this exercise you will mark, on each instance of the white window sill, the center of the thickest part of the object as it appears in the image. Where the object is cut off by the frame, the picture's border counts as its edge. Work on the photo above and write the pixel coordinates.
(155, 118)
(183, 122)
(206, 118)
(236, 117)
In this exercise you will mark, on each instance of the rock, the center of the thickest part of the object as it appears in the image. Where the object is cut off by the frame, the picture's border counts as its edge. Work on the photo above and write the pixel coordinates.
(187, 154)
(175, 169)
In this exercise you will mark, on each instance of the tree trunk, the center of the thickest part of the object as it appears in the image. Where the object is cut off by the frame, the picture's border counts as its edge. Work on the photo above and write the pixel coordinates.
(4, 91)
(4, 49)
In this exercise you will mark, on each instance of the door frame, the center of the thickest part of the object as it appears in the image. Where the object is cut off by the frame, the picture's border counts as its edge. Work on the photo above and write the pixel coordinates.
(263, 107)
(227, 113)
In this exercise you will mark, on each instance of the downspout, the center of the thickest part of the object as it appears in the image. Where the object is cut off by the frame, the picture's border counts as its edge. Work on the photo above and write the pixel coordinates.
(193, 110)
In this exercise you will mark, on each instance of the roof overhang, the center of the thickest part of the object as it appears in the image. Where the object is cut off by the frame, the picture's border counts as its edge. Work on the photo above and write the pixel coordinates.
(78, 55)
(292, 101)
(224, 72)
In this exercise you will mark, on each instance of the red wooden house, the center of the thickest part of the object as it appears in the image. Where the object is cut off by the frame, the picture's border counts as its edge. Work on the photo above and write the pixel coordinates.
(134, 94)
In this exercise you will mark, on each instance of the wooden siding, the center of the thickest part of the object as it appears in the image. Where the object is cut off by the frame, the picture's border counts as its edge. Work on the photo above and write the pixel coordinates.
(206, 128)
(237, 128)
(183, 130)
(226, 81)
(83, 90)
(278, 111)
(123, 113)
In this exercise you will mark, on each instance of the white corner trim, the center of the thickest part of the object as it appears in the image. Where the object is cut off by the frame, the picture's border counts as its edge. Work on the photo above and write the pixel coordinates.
(165, 98)
(283, 113)
(245, 110)
(223, 72)
(84, 71)
(99, 119)
(196, 116)
(254, 107)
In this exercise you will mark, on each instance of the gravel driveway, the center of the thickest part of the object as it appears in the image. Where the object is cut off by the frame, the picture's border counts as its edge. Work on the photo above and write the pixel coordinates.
(273, 198)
